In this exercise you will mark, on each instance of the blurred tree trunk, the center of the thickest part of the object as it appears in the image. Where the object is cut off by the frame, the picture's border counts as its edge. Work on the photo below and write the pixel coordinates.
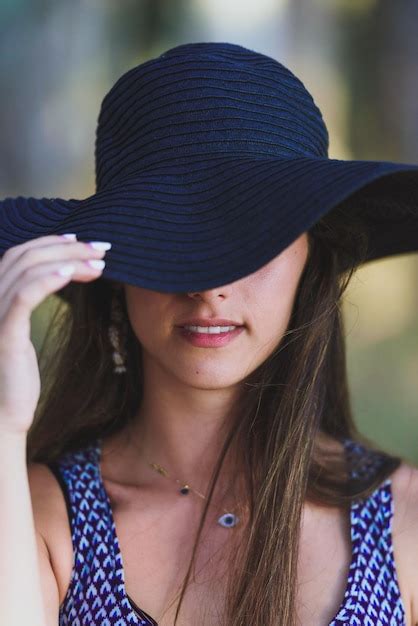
(379, 52)
(380, 59)
(55, 58)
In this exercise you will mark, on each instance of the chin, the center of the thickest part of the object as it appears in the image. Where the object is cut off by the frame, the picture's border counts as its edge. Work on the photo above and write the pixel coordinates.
(213, 383)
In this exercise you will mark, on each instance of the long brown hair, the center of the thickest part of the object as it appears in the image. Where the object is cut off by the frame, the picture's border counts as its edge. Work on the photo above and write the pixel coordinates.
(297, 394)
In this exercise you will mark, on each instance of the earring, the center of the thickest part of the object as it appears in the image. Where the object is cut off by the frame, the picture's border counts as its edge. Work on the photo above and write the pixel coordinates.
(117, 318)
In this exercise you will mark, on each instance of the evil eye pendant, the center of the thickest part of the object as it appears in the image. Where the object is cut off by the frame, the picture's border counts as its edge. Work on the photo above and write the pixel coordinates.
(229, 520)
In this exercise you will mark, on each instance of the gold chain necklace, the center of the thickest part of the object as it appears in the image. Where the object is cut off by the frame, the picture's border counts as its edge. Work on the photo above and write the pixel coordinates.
(228, 520)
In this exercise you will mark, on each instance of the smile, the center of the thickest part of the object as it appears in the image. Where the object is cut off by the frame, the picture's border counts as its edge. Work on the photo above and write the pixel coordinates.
(210, 336)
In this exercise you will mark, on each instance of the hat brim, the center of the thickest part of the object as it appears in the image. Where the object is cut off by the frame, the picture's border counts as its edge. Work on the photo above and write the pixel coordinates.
(177, 228)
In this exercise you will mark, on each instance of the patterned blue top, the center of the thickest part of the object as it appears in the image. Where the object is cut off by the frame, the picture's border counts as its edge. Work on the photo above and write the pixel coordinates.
(97, 596)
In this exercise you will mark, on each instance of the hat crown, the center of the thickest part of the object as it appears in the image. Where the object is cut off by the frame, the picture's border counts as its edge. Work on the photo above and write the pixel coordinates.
(200, 101)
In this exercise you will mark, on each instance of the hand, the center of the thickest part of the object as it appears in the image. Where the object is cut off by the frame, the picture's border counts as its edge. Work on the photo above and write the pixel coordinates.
(28, 274)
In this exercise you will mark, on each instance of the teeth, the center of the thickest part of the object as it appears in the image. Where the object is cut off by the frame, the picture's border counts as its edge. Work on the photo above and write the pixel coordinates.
(210, 330)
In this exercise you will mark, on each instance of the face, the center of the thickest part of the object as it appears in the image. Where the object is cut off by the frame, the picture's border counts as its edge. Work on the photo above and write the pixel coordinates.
(262, 302)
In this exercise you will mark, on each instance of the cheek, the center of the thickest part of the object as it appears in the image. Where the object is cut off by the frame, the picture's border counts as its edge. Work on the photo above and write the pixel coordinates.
(144, 313)
(274, 290)
(273, 318)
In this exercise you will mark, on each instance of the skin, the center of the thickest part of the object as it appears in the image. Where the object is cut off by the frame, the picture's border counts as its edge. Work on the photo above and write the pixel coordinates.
(188, 390)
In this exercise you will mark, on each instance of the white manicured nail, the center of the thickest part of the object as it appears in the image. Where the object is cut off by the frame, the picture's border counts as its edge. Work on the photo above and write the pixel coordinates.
(100, 245)
(71, 236)
(66, 270)
(98, 264)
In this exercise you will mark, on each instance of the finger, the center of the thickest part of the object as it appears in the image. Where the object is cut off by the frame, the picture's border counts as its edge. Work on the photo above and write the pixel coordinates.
(37, 255)
(13, 253)
(82, 272)
(18, 304)
(33, 286)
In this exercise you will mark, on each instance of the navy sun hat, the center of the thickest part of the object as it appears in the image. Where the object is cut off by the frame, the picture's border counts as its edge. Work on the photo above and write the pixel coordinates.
(211, 159)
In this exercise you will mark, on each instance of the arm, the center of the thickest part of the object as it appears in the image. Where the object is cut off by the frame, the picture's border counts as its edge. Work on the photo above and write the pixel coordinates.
(28, 587)
(29, 272)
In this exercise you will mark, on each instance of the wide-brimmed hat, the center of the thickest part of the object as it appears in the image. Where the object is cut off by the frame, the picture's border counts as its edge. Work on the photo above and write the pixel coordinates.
(211, 159)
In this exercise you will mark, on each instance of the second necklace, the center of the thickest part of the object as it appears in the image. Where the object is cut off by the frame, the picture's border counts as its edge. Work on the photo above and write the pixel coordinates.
(228, 520)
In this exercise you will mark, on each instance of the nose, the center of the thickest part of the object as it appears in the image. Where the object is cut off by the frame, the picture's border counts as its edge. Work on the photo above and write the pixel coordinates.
(207, 295)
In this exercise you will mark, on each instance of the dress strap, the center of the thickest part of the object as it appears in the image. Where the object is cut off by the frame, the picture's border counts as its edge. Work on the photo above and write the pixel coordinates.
(94, 595)
(372, 596)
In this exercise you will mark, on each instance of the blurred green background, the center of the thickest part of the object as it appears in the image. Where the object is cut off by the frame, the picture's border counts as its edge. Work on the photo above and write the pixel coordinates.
(358, 58)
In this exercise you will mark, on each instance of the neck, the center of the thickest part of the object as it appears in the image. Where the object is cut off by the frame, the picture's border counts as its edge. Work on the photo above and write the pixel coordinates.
(183, 430)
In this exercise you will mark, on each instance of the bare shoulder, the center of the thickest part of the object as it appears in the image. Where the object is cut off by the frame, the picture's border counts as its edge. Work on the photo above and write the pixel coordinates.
(47, 498)
(51, 521)
(405, 499)
(405, 533)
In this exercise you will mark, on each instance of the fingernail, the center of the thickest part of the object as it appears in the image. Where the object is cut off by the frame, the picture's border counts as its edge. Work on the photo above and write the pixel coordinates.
(100, 245)
(66, 270)
(71, 236)
(97, 264)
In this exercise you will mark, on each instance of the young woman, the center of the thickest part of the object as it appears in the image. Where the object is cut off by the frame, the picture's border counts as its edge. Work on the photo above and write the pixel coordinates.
(191, 457)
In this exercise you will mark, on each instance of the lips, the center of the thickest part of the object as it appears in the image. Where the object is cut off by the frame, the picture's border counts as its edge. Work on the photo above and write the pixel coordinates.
(212, 321)
(210, 340)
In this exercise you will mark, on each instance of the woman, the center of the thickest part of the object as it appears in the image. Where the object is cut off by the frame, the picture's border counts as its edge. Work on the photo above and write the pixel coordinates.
(181, 471)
